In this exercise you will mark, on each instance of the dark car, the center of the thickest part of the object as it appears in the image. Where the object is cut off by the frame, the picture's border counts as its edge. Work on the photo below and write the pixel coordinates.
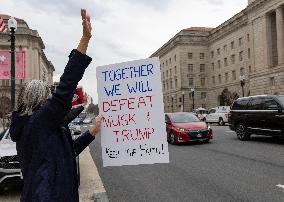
(259, 115)
(186, 127)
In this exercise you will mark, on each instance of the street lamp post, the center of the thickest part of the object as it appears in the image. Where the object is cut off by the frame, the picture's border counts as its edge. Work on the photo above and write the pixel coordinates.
(243, 82)
(12, 26)
(182, 101)
(192, 94)
(172, 103)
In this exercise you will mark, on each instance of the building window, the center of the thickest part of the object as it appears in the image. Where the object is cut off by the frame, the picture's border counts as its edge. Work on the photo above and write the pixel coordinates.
(190, 55)
(163, 75)
(213, 80)
(191, 82)
(248, 53)
(175, 58)
(248, 37)
(218, 51)
(170, 72)
(242, 71)
(202, 67)
(202, 56)
(166, 63)
(175, 69)
(202, 81)
(171, 84)
(170, 60)
(219, 64)
(203, 95)
(226, 77)
(164, 86)
(225, 62)
(190, 68)
(213, 66)
(212, 54)
(220, 78)
(167, 73)
(272, 81)
(240, 41)
(176, 83)
(167, 85)
(250, 70)
(241, 56)
(234, 76)
(163, 64)
(225, 48)
(232, 45)
(233, 59)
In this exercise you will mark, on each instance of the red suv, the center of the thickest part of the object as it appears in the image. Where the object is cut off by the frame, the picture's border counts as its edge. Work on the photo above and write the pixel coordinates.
(186, 127)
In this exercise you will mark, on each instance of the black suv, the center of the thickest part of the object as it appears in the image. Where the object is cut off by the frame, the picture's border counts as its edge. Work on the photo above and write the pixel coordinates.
(259, 115)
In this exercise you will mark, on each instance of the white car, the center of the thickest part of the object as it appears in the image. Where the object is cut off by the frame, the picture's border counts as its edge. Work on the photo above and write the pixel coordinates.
(9, 165)
(218, 115)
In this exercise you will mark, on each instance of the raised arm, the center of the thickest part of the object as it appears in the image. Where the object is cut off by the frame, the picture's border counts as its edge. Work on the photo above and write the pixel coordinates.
(59, 104)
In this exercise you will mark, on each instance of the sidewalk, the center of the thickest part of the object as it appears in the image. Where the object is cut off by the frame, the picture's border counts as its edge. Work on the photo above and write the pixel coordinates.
(91, 187)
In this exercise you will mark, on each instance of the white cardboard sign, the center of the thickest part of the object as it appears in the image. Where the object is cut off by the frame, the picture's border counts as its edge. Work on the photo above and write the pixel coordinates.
(131, 104)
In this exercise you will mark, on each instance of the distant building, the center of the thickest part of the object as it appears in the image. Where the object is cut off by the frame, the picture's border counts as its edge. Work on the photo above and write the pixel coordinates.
(37, 64)
(210, 59)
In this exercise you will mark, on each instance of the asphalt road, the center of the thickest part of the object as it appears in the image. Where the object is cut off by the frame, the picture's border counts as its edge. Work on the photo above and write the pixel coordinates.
(224, 170)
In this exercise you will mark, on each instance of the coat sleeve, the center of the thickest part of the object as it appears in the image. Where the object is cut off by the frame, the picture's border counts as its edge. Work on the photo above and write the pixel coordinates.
(82, 142)
(55, 108)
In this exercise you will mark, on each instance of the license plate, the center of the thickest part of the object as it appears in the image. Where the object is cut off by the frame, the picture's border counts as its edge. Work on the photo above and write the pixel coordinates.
(199, 135)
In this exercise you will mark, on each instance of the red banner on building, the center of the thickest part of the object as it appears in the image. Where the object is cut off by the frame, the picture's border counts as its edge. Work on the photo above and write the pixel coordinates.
(5, 64)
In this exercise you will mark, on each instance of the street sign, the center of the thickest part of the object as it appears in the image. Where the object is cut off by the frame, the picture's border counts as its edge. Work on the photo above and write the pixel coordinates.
(5, 64)
(131, 104)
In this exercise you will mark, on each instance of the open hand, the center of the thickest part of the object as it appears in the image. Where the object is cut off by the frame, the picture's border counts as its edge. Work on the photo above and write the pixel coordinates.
(86, 22)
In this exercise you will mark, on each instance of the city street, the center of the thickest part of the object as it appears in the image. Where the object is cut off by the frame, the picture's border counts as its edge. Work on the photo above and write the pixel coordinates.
(224, 170)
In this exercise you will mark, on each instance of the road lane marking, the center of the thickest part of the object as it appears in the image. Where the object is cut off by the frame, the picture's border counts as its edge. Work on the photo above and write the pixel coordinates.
(85, 126)
(280, 185)
(230, 131)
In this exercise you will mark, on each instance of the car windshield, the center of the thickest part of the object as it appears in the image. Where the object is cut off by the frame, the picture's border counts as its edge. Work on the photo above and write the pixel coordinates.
(281, 99)
(2, 134)
(184, 118)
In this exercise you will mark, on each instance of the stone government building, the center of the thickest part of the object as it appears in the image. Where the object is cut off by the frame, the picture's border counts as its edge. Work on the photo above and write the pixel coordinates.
(209, 60)
(37, 64)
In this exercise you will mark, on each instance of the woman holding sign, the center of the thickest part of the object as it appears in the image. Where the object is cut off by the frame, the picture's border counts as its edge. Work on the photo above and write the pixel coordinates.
(45, 149)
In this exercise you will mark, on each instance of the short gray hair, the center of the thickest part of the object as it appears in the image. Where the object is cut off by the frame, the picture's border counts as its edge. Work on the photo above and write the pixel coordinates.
(31, 96)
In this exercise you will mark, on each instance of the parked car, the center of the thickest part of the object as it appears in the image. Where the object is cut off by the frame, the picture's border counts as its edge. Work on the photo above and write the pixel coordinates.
(201, 113)
(77, 121)
(259, 115)
(10, 171)
(218, 115)
(87, 120)
(186, 127)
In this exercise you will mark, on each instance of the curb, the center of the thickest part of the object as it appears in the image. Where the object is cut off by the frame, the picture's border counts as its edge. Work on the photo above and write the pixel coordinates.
(91, 188)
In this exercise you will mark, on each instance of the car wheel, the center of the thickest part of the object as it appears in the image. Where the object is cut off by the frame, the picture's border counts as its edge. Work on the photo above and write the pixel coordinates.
(221, 122)
(206, 141)
(242, 133)
(172, 138)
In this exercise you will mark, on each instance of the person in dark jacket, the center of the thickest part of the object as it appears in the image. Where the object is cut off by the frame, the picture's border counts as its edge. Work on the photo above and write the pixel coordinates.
(45, 148)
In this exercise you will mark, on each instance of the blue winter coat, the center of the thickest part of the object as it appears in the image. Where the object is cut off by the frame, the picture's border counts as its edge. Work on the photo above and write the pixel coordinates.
(45, 149)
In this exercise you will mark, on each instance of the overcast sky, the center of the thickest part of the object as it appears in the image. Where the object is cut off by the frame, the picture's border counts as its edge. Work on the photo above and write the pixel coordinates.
(123, 30)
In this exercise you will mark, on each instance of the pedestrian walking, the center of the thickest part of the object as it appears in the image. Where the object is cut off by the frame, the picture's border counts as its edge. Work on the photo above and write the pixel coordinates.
(45, 148)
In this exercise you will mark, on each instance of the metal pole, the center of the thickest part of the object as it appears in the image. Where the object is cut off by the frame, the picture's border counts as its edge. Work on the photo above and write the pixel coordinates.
(182, 102)
(192, 100)
(242, 84)
(13, 38)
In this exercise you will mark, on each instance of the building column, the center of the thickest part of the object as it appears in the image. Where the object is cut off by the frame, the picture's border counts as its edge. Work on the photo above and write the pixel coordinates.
(268, 41)
(280, 34)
